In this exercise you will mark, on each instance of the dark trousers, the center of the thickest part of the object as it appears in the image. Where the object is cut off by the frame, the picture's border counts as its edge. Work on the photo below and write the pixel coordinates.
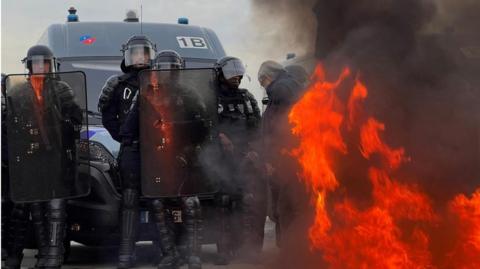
(243, 210)
(129, 166)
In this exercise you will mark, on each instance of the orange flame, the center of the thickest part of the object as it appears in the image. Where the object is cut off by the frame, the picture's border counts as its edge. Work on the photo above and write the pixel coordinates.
(37, 85)
(322, 131)
(466, 251)
(157, 100)
(374, 236)
(372, 143)
(359, 93)
(314, 160)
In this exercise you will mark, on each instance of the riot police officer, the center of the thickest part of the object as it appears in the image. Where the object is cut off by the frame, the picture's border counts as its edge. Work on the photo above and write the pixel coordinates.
(164, 102)
(115, 103)
(44, 122)
(188, 101)
(243, 191)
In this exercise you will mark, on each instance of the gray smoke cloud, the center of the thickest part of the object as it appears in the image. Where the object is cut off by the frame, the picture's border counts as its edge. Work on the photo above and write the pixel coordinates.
(283, 26)
(420, 81)
(459, 16)
(271, 31)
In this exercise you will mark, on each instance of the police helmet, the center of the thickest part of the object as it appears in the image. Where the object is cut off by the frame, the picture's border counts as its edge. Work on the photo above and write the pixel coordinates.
(40, 59)
(138, 51)
(168, 59)
(230, 67)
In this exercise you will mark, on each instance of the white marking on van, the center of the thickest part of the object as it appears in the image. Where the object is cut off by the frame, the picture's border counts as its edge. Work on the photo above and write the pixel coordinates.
(191, 42)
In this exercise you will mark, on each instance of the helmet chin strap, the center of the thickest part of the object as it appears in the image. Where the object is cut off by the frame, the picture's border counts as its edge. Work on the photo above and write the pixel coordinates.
(140, 67)
(133, 68)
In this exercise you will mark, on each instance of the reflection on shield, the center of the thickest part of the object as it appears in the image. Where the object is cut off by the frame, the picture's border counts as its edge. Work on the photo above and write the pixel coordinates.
(45, 113)
(177, 115)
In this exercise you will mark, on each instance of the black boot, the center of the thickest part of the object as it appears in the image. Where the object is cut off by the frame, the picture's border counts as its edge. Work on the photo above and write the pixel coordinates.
(41, 235)
(169, 258)
(224, 239)
(17, 228)
(193, 225)
(57, 227)
(126, 256)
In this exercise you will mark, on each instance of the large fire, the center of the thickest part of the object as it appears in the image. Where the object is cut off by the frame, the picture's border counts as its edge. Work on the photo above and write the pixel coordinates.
(394, 228)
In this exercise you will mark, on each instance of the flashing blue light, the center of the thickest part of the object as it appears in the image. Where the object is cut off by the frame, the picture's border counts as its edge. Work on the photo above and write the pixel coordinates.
(72, 18)
(183, 20)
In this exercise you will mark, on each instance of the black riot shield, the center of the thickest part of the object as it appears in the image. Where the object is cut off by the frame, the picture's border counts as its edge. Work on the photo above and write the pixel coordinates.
(177, 110)
(45, 113)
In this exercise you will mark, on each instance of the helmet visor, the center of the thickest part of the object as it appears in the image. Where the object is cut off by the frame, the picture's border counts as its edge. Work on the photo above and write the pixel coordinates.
(40, 64)
(139, 55)
(163, 62)
(233, 68)
(167, 66)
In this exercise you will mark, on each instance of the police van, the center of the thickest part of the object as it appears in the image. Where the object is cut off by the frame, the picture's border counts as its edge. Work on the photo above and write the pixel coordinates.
(94, 48)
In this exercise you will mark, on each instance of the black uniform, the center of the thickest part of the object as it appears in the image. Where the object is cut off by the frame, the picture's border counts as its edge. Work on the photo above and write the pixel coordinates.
(49, 218)
(115, 103)
(175, 120)
(243, 190)
(119, 107)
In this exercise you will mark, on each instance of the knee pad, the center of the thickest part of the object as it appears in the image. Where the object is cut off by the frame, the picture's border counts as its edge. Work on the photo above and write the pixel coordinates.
(158, 205)
(158, 210)
(224, 200)
(187, 202)
(192, 206)
(56, 208)
(20, 211)
(192, 202)
(248, 199)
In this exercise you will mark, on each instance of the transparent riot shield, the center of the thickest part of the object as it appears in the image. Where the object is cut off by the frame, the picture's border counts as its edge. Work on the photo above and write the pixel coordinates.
(45, 113)
(177, 110)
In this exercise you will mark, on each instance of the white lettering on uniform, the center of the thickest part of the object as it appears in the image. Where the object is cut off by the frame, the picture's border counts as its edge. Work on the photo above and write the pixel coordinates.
(126, 93)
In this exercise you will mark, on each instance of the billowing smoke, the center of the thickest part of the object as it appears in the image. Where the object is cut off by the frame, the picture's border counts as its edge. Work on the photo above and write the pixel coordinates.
(420, 60)
(422, 83)
(279, 27)
(457, 16)
(271, 31)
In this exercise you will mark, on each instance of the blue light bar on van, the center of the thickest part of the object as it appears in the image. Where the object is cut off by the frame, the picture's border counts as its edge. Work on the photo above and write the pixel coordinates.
(182, 20)
(72, 16)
